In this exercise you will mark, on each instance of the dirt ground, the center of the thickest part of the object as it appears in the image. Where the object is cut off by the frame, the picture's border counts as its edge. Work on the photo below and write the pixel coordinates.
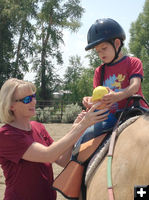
(56, 131)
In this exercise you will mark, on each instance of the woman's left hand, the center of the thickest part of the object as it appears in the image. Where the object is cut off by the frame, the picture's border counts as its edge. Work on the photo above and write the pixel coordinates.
(79, 117)
(91, 117)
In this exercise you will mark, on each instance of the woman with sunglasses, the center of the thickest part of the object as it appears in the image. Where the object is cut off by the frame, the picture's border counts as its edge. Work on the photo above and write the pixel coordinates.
(26, 149)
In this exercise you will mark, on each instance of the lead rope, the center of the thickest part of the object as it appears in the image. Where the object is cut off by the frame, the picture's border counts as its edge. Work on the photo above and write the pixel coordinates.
(110, 156)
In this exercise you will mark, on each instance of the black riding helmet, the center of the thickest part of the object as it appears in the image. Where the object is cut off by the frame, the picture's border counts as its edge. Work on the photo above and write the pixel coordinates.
(105, 30)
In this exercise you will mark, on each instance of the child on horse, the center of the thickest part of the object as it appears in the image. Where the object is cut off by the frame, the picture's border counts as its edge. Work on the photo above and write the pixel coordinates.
(121, 74)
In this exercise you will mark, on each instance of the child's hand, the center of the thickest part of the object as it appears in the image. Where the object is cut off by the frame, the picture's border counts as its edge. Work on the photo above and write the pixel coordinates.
(110, 98)
(87, 102)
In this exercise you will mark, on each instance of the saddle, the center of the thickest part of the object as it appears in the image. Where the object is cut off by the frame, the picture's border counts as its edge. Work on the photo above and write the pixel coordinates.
(135, 110)
(69, 181)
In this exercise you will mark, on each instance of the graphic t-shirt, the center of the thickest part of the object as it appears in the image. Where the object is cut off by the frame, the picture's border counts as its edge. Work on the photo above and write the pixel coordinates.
(117, 77)
(25, 180)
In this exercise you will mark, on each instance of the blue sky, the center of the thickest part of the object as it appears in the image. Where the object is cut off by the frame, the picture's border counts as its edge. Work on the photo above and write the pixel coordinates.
(124, 12)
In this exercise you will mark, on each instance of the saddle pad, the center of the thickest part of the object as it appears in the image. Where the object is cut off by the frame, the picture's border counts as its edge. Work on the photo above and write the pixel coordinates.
(101, 153)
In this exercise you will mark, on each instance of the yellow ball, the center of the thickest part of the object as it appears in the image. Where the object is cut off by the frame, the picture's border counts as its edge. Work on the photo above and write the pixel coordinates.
(99, 92)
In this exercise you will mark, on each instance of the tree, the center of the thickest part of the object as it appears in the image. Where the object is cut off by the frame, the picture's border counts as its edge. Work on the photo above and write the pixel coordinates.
(139, 43)
(16, 35)
(79, 80)
(34, 28)
(6, 45)
(72, 77)
(85, 84)
(53, 18)
(22, 13)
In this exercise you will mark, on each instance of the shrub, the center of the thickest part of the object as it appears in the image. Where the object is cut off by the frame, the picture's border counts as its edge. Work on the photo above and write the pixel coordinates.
(39, 115)
(43, 115)
(70, 113)
(56, 117)
(48, 114)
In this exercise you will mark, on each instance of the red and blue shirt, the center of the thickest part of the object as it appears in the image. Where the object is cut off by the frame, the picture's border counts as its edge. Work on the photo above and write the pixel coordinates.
(117, 77)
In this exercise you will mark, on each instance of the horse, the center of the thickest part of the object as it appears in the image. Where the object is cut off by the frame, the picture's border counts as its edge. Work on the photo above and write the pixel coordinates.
(130, 164)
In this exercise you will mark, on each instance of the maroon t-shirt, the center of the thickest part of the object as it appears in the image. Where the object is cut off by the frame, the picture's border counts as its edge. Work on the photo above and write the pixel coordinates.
(25, 180)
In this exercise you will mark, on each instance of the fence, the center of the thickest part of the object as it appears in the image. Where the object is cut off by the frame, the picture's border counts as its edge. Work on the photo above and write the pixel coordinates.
(52, 109)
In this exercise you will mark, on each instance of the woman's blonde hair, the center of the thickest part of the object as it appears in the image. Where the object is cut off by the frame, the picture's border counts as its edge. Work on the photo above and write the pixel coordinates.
(7, 93)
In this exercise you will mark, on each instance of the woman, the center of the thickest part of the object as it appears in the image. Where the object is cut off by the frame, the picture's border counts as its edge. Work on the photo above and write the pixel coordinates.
(26, 149)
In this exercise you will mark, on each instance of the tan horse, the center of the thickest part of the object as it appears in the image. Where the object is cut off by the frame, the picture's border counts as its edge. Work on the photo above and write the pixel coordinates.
(130, 165)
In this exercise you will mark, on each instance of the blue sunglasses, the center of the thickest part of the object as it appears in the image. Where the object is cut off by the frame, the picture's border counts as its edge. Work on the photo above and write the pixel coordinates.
(27, 99)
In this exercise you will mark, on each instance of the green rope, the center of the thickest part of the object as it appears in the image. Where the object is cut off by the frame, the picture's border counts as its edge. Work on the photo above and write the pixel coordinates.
(109, 171)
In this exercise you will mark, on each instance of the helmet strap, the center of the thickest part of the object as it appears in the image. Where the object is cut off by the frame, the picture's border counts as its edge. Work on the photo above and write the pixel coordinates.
(116, 52)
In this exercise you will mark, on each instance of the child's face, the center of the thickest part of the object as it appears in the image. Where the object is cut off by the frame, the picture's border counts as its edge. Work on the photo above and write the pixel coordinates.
(105, 52)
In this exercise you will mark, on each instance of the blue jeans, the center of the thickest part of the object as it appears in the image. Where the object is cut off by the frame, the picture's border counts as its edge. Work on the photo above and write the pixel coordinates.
(97, 129)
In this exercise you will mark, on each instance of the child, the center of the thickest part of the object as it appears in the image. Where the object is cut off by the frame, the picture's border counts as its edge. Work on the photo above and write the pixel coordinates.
(121, 74)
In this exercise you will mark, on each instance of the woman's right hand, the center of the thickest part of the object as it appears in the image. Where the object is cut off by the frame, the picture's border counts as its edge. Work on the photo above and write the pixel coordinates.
(92, 117)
